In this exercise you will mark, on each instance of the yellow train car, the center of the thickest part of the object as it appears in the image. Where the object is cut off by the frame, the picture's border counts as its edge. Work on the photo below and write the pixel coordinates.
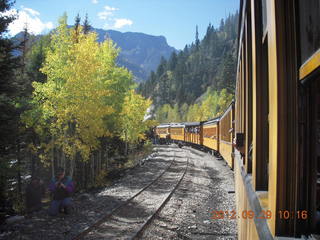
(193, 133)
(163, 132)
(226, 135)
(177, 132)
(211, 134)
(277, 120)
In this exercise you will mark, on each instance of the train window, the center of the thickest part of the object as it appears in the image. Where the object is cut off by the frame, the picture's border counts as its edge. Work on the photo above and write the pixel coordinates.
(249, 91)
(263, 174)
(315, 152)
(176, 131)
(309, 28)
(317, 147)
(225, 127)
(264, 16)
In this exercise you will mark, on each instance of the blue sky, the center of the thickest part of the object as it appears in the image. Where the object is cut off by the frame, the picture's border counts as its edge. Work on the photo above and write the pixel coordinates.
(174, 19)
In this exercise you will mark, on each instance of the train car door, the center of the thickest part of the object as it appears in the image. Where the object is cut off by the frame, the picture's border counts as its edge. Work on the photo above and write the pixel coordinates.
(309, 108)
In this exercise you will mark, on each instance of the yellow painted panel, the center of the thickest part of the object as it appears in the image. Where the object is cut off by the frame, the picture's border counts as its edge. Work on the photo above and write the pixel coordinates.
(310, 65)
(187, 137)
(163, 135)
(263, 199)
(254, 233)
(195, 138)
(177, 137)
(211, 143)
(225, 150)
(246, 227)
(273, 111)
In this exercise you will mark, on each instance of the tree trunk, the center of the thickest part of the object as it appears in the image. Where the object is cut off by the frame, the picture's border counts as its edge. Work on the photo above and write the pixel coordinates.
(63, 159)
(19, 171)
(126, 145)
(86, 175)
(33, 163)
(52, 158)
(107, 157)
(83, 174)
(100, 160)
(92, 169)
(72, 164)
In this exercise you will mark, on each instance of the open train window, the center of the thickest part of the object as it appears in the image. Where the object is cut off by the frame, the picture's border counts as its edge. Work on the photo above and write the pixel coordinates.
(309, 36)
(309, 12)
(311, 153)
(249, 146)
(315, 153)
(264, 174)
(264, 17)
(263, 118)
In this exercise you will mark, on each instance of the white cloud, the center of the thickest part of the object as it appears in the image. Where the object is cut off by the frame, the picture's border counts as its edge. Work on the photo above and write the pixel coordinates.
(29, 17)
(108, 8)
(112, 22)
(107, 13)
(121, 22)
(31, 11)
(94, 1)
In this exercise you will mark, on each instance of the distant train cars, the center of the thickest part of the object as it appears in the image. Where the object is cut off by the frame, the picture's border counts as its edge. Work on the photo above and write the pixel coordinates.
(215, 134)
(177, 132)
(162, 133)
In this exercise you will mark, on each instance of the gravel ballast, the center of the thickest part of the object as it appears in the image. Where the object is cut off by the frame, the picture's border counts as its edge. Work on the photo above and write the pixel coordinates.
(207, 186)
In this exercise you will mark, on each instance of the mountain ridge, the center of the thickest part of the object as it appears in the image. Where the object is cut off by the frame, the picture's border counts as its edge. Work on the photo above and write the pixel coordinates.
(140, 53)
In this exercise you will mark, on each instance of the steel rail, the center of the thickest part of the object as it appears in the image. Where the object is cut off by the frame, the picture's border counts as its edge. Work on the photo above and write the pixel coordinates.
(108, 215)
(150, 219)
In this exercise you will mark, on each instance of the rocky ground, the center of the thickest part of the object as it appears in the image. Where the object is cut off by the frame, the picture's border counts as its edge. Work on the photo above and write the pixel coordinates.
(207, 186)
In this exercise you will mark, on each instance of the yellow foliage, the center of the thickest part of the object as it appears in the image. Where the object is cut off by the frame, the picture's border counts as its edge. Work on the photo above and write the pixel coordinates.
(132, 117)
(74, 103)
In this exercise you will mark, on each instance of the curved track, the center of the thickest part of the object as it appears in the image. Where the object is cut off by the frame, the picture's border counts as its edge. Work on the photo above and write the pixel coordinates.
(129, 220)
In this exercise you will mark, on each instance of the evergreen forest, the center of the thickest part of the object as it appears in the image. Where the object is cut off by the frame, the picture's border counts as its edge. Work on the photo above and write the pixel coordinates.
(198, 82)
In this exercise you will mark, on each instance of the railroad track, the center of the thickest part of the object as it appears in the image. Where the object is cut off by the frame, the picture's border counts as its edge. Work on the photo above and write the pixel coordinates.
(130, 219)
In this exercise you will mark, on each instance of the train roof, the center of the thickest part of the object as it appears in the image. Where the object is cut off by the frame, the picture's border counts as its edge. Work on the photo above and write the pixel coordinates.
(191, 124)
(212, 121)
(177, 125)
(163, 125)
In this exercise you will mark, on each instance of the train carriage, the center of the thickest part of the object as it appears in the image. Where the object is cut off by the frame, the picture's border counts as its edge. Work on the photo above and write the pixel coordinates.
(226, 135)
(277, 119)
(211, 134)
(193, 133)
(177, 132)
(163, 133)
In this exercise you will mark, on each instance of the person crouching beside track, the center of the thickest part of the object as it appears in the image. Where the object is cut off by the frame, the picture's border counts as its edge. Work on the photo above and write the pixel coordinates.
(61, 187)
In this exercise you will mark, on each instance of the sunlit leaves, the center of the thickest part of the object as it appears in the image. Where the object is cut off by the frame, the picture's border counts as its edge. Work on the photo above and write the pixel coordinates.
(212, 105)
(132, 117)
(84, 89)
